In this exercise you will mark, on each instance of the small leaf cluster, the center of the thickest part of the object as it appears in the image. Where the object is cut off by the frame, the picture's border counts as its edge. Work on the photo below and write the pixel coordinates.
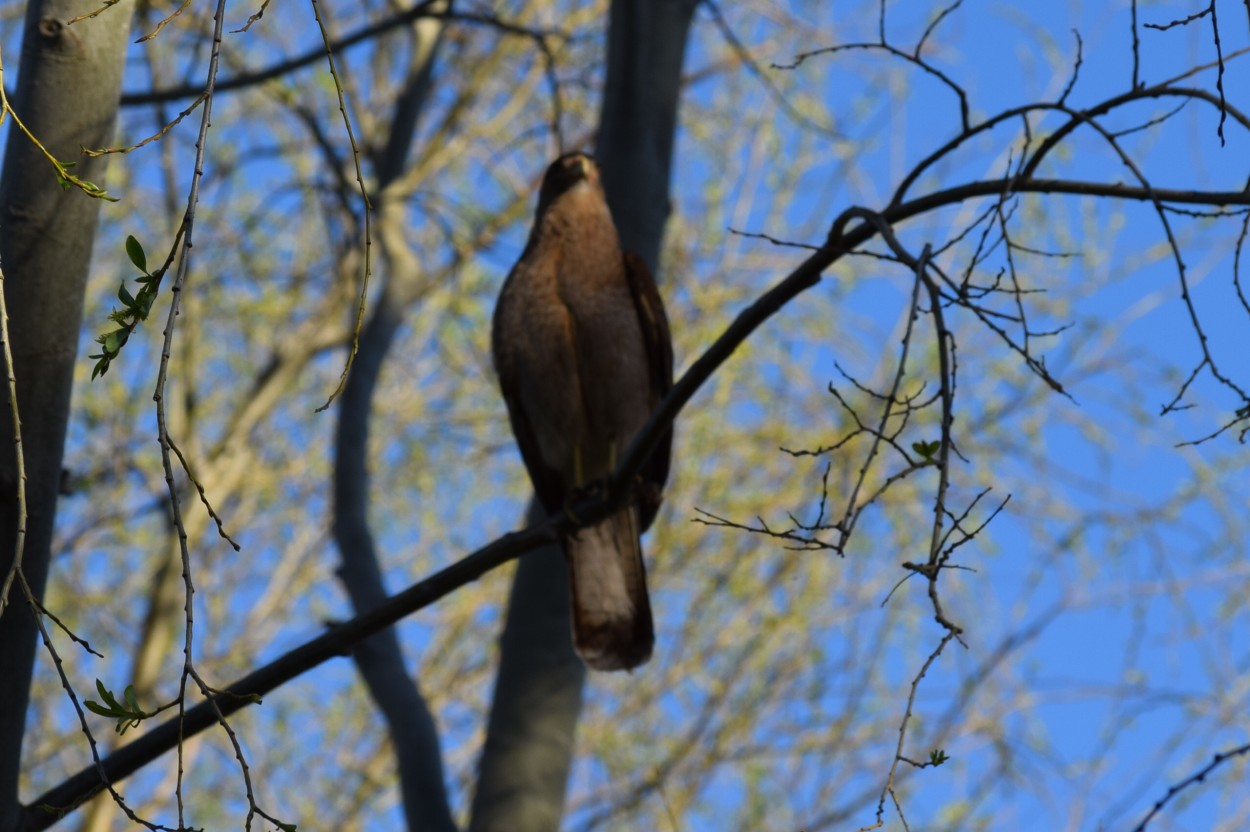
(134, 309)
(68, 180)
(128, 714)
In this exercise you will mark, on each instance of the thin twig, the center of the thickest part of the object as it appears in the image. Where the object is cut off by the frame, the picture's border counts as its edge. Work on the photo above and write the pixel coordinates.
(1197, 777)
(888, 789)
(157, 135)
(19, 546)
(368, 211)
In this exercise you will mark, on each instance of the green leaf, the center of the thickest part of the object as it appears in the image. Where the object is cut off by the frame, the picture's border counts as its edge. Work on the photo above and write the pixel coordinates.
(134, 250)
(125, 297)
(146, 295)
(127, 716)
(96, 708)
(926, 449)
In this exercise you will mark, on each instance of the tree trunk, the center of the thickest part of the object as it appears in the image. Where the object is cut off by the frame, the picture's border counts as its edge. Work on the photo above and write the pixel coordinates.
(67, 92)
(638, 119)
(538, 694)
(379, 659)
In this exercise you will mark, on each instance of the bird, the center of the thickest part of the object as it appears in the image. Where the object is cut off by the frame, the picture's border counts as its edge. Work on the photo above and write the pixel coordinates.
(583, 353)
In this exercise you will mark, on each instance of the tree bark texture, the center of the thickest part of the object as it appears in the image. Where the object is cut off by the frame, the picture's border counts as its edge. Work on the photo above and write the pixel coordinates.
(538, 693)
(68, 86)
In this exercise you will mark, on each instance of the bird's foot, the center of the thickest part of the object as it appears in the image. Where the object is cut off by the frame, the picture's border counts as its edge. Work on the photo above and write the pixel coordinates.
(596, 490)
(647, 494)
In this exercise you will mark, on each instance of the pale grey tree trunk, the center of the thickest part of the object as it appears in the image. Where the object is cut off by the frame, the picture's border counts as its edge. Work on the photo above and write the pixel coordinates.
(68, 85)
(538, 693)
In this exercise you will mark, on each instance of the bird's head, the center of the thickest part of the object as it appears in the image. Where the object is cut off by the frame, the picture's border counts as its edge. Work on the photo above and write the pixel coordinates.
(566, 173)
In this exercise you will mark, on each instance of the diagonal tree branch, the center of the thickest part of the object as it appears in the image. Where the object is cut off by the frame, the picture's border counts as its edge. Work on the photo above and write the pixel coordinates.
(338, 641)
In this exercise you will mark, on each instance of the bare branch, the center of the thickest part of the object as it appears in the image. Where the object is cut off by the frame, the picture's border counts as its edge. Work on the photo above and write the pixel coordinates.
(1197, 777)
(1076, 68)
(898, 53)
(425, 9)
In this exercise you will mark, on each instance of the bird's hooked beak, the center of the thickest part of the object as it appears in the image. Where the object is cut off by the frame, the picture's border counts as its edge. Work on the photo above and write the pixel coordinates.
(587, 169)
(579, 167)
(565, 174)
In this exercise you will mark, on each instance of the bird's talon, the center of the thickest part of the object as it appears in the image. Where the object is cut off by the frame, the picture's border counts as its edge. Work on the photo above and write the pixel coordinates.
(590, 491)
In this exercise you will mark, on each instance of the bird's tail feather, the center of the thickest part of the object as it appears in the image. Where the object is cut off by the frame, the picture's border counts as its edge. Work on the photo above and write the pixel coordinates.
(612, 627)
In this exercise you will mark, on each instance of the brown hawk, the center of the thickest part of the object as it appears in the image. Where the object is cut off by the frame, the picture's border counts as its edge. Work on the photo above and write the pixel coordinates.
(582, 349)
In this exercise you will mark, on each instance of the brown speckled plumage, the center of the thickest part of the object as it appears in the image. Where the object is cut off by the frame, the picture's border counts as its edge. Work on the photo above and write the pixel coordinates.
(581, 345)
